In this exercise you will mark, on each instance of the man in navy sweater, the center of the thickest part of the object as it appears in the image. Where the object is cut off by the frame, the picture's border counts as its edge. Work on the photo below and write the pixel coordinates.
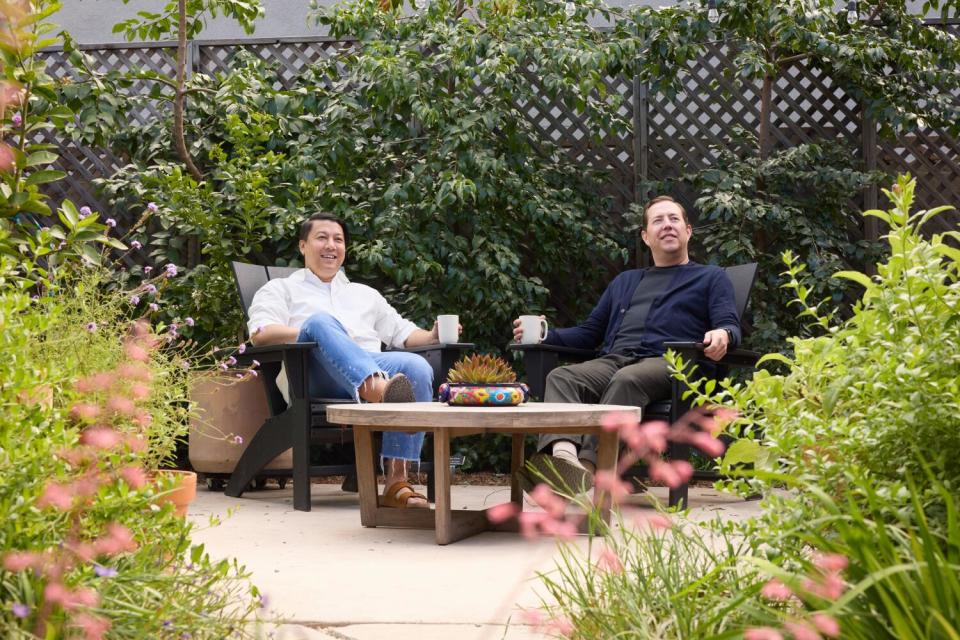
(675, 300)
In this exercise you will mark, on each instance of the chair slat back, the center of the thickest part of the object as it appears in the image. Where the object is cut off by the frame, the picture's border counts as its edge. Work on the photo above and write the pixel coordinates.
(249, 277)
(281, 272)
(742, 276)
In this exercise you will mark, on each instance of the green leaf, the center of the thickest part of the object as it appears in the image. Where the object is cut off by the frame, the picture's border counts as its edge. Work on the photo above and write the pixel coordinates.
(743, 451)
(45, 176)
(860, 278)
(40, 157)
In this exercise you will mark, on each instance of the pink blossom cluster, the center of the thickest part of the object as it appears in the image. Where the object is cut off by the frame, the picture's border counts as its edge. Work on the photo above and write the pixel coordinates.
(112, 421)
(824, 583)
(559, 626)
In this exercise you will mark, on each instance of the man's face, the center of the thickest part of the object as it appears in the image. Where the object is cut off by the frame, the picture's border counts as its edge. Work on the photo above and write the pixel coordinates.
(324, 249)
(667, 234)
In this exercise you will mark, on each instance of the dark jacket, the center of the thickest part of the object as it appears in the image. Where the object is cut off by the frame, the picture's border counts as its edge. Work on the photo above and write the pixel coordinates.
(699, 298)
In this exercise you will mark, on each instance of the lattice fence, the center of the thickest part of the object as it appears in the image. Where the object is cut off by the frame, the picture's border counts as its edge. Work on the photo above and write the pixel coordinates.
(668, 137)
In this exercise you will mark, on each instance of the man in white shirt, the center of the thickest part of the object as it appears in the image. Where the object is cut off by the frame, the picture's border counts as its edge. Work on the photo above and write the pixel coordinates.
(348, 321)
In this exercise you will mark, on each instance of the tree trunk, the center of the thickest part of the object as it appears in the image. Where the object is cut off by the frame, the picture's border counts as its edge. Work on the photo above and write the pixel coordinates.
(764, 141)
(178, 100)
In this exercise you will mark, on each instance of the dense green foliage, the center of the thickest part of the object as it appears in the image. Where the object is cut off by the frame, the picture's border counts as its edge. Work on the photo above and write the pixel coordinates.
(455, 203)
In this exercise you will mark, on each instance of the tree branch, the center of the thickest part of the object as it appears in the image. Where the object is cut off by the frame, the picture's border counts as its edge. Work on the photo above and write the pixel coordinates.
(178, 102)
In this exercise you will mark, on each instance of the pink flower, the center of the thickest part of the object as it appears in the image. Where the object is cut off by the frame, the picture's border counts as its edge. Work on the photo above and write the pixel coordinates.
(660, 471)
(91, 326)
(776, 590)
(561, 626)
(143, 419)
(55, 495)
(152, 207)
(533, 617)
(828, 626)
(611, 483)
(659, 521)
(93, 627)
(136, 245)
(708, 444)
(17, 561)
(189, 321)
(830, 562)
(80, 598)
(110, 222)
(100, 437)
(530, 522)
(616, 420)
(55, 593)
(121, 405)
(549, 501)
(139, 390)
(242, 348)
(560, 529)
(136, 352)
(655, 435)
(16, 119)
(117, 540)
(609, 561)
(829, 587)
(85, 211)
(801, 631)
(502, 512)
(84, 411)
(134, 476)
(762, 633)
(237, 439)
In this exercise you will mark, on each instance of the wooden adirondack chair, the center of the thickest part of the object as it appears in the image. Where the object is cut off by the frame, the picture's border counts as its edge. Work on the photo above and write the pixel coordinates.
(303, 421)
(540, 359)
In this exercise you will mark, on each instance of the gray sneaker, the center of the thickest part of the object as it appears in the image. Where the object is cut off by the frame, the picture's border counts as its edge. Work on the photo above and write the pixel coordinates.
(561, 475)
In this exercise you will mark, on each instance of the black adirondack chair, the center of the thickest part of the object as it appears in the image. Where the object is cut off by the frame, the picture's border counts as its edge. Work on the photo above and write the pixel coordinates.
(540, 359)
(303, 422)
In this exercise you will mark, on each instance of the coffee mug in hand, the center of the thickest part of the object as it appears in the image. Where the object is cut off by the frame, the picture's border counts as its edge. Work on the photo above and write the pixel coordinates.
(534, 329)
(448, 328)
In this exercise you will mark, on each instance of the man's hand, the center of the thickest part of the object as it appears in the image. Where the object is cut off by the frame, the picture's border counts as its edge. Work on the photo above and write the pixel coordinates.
(715, 343)
(518, 330)
(436, 331)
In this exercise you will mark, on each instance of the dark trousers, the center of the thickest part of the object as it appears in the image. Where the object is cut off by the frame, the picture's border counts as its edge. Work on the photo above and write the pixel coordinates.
(611, 379)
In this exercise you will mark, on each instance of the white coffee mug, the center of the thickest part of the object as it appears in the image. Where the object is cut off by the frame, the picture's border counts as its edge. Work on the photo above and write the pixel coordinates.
(534, 329)
(447, 328)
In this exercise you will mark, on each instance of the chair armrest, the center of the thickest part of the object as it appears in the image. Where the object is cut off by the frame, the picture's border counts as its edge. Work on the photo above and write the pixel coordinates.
(733, 357)
(570, 353)
(266, 353)
(540, 359)
(441, 356)
(454, 346)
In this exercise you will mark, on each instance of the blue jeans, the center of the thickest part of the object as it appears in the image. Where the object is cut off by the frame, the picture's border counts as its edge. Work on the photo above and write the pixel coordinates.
(338, 366)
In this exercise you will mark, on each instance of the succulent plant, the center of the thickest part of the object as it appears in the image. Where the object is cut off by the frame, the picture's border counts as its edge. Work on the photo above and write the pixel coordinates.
(481, 369)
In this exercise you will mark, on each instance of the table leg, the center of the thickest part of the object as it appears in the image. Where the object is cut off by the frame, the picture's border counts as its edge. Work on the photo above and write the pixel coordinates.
(441, 474)
(606, 460)
(516, 463)
(366, 476)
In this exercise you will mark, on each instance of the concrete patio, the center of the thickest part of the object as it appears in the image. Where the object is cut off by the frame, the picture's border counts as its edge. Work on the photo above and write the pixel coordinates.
(326, 577)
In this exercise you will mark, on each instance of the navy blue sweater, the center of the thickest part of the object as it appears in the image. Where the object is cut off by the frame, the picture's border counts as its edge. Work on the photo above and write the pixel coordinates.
(699, 298)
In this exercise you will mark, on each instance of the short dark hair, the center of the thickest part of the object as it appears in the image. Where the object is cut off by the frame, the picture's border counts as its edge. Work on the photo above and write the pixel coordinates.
(659, 199)
(307, 225)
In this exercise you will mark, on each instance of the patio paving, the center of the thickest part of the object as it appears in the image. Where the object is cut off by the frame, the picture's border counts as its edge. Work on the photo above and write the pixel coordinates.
(327, 577)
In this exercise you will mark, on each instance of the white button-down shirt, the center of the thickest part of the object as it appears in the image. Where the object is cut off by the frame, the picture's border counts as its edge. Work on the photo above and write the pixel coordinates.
(365, 314)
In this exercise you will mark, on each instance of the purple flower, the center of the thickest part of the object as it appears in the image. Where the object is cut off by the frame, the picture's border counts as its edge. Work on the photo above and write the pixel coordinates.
(173, 328)
(253, 373)
(152, 207)
(147, 270)
(154, 306)
(171, 270)
(104, 572)
(231, 361)
(84, 212)
(264, 601)
(242, 347)
(256, 363)
(223, 365)
(62, 244)
(134, 300)
(20, 610)
(111, 222)
(237, 440)
(150, 288)
(136, 244)
(168, 623)
(239, 375)
(185, 635)
(189, 321)
(17, 119)
(91, 326)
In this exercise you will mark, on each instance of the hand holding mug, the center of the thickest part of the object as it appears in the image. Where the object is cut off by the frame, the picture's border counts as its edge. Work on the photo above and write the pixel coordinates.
(447, 329)
(530, 329)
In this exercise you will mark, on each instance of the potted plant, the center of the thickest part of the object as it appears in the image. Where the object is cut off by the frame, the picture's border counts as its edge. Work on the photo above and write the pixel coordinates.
(483, 380)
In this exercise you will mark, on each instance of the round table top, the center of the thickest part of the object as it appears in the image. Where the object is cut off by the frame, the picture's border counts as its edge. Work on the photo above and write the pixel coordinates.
(437, 414)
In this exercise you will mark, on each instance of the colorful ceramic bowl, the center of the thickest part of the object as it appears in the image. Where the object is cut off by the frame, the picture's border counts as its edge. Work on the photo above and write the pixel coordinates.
(504, 394)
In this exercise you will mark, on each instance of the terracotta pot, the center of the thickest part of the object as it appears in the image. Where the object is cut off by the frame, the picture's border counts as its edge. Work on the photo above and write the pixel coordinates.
(183, 492)
(227, 408)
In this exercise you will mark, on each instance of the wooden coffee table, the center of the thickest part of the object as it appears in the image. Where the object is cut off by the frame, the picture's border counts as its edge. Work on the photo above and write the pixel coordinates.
(452, 422)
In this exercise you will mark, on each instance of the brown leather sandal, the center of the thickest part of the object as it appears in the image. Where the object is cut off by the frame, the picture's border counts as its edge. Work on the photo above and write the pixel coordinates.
(396, 497)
